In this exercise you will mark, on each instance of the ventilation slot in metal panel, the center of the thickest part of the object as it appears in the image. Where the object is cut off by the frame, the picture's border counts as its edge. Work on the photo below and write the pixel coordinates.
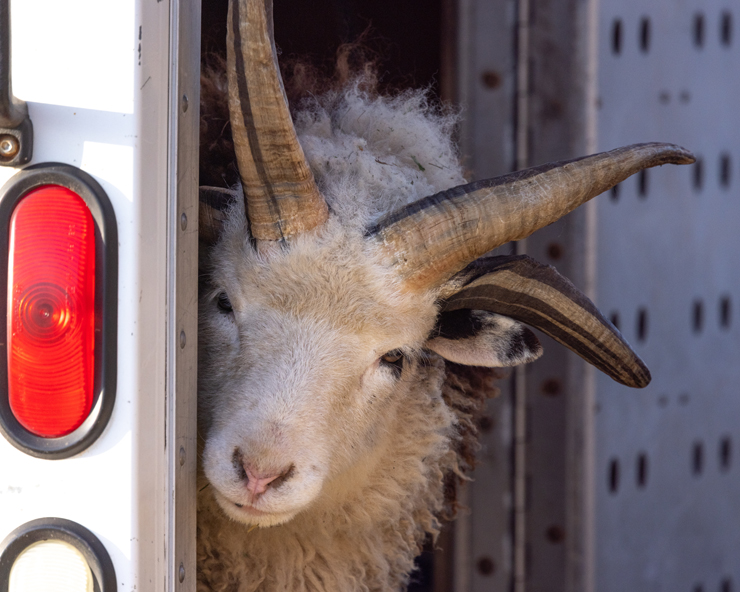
(645, 34)
(699, 30)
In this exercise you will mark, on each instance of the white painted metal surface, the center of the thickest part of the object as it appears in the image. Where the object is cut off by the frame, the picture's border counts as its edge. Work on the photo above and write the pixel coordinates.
(667, 472)
(97, 76)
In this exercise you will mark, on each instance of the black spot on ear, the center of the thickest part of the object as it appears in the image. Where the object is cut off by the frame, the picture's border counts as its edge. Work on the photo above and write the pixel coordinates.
(457, 324)
(523, 342)
(531, 341)
(516, 346)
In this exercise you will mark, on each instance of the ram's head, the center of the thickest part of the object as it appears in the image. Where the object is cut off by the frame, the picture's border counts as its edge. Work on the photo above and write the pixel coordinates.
(316, 330)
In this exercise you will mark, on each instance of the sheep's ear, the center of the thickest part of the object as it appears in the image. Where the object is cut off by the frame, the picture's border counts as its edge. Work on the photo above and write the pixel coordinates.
(214, 201)
(482, 338)
(539, 296)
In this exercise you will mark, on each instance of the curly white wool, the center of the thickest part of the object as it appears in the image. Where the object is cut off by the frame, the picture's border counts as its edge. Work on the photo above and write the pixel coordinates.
(371, 155)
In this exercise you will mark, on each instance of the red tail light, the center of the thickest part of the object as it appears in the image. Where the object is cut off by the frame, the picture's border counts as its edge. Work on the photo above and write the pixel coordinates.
(51, 311)
(58, 310)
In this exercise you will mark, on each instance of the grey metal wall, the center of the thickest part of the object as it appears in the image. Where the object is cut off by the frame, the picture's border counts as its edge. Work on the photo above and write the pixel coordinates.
(483, 75)
(521, 84)
(667, 472)
(602, 487)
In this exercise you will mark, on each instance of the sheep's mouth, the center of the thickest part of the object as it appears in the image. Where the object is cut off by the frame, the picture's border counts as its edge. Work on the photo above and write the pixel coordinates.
(251, 516)
(244, 510)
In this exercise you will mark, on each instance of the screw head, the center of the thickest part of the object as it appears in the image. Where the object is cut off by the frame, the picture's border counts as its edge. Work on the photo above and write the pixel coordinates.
(183, 221)
(185, 102)
(9, 146)
(181, 573)
(183, 340)
(182, 455)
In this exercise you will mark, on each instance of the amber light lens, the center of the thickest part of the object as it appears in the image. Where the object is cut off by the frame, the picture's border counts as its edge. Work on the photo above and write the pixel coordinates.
(51, 311)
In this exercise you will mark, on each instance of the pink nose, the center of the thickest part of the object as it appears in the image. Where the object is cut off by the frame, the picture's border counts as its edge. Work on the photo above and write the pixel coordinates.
(257, 482)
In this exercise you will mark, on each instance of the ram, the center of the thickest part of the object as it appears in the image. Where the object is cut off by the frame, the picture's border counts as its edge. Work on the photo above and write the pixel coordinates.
(346, 292)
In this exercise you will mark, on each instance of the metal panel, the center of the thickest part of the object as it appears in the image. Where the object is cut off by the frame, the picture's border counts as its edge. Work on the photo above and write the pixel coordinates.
(486, 83)
(527, 88)
(182, 291)
(667, 485)
(146, 293)
(558, 387)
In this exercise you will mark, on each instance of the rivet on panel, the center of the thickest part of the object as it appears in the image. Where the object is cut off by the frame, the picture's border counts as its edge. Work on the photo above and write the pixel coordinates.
(184, 103)
(485, 424)
(183, 221)
(181, 573)
(491, 79)
(554, 251)
(552, 387)
(182, 455)
(182, 339)
(486, 566)
(555, 534)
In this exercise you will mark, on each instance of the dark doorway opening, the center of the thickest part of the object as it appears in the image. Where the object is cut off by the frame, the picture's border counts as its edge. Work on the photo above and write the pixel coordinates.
(405, 37)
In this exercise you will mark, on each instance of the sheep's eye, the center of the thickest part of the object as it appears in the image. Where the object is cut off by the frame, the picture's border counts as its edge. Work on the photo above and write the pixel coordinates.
(223, 303)
(393, 360)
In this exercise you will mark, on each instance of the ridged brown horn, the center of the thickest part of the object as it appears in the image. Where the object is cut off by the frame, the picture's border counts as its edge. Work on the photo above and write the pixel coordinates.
(537, 295)
(282, 198)
(433, 238)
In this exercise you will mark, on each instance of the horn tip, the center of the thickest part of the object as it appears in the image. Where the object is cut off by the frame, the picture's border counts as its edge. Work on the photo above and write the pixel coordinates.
(640, 379)
(682, 155)
(672, 153)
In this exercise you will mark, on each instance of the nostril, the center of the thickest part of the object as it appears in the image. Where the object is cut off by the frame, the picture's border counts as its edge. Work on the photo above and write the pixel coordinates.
(258, 481)
(236, 461)
(284, 477)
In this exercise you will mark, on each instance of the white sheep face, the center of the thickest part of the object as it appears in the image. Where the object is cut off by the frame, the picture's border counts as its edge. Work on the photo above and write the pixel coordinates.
(293, 384)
